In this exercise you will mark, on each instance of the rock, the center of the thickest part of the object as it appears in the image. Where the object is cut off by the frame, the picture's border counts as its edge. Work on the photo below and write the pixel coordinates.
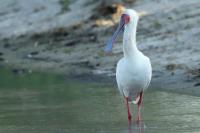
(2, 59)
(197, 84)
(60, 32)
(72, 42)
(6, 45)
(36, 44)
(173, 66)
(34, 53)
(18, 71)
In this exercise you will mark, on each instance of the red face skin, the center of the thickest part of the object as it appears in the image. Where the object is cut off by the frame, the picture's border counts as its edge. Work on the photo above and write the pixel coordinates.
(126, 18)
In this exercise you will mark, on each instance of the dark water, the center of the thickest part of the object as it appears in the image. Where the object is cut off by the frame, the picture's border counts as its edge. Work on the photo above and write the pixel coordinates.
(35, 102)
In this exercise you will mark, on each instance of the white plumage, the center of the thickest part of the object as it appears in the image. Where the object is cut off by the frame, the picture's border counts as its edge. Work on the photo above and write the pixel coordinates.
(133, 73)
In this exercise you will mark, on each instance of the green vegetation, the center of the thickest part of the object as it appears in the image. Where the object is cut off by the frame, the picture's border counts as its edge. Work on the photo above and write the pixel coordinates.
(67, 50)
(65, 5)
(101, 53)
(157, 24)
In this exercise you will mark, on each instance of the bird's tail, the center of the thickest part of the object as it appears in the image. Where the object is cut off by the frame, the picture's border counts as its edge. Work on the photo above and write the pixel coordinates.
(137, 99)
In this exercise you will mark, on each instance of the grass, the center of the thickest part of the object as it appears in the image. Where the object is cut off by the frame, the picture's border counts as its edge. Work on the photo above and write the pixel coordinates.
(157, 25)
(65, 5)
(67, 50)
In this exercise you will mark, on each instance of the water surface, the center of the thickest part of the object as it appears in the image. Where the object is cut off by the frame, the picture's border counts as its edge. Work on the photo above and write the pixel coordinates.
(46, 103)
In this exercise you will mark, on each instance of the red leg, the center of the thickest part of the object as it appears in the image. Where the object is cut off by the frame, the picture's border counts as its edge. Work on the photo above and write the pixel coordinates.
(128, 109)
(139, 106)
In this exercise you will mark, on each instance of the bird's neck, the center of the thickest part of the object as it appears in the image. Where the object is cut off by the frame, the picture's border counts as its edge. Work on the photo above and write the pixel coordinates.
(129, 40)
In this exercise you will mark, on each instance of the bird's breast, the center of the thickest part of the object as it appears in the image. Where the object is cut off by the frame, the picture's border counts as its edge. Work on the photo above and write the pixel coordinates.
(132, 75)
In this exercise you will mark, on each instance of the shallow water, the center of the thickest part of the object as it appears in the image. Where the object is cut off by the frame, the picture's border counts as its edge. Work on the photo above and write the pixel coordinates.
(35, 102)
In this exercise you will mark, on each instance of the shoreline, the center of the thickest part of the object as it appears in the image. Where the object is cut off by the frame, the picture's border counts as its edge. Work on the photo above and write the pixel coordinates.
(103, 80)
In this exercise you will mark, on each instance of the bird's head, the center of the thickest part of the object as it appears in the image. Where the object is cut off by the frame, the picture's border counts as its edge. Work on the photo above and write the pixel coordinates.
(128, 18)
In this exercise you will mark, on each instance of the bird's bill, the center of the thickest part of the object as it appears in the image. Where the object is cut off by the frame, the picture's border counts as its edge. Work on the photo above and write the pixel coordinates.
(110, 42)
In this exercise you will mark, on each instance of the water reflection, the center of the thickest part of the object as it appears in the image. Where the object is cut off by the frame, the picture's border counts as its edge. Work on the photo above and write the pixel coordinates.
(46, 103)
(136, 127)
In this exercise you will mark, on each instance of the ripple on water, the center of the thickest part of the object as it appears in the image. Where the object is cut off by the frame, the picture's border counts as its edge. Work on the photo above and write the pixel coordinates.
(73, 107)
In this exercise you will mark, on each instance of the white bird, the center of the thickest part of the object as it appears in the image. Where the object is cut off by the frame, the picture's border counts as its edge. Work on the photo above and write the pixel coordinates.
(133, 73)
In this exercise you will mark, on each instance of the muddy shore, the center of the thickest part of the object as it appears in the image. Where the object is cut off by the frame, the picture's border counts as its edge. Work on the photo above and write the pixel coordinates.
(169, 34)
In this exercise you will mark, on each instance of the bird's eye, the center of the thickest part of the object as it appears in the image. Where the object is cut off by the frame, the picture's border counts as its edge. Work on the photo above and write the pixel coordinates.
(127, 19)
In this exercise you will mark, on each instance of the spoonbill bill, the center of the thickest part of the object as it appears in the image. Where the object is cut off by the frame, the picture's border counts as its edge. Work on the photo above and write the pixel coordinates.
(133, 72)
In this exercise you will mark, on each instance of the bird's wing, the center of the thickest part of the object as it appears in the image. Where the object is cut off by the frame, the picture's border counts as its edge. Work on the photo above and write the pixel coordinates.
(149, 72)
